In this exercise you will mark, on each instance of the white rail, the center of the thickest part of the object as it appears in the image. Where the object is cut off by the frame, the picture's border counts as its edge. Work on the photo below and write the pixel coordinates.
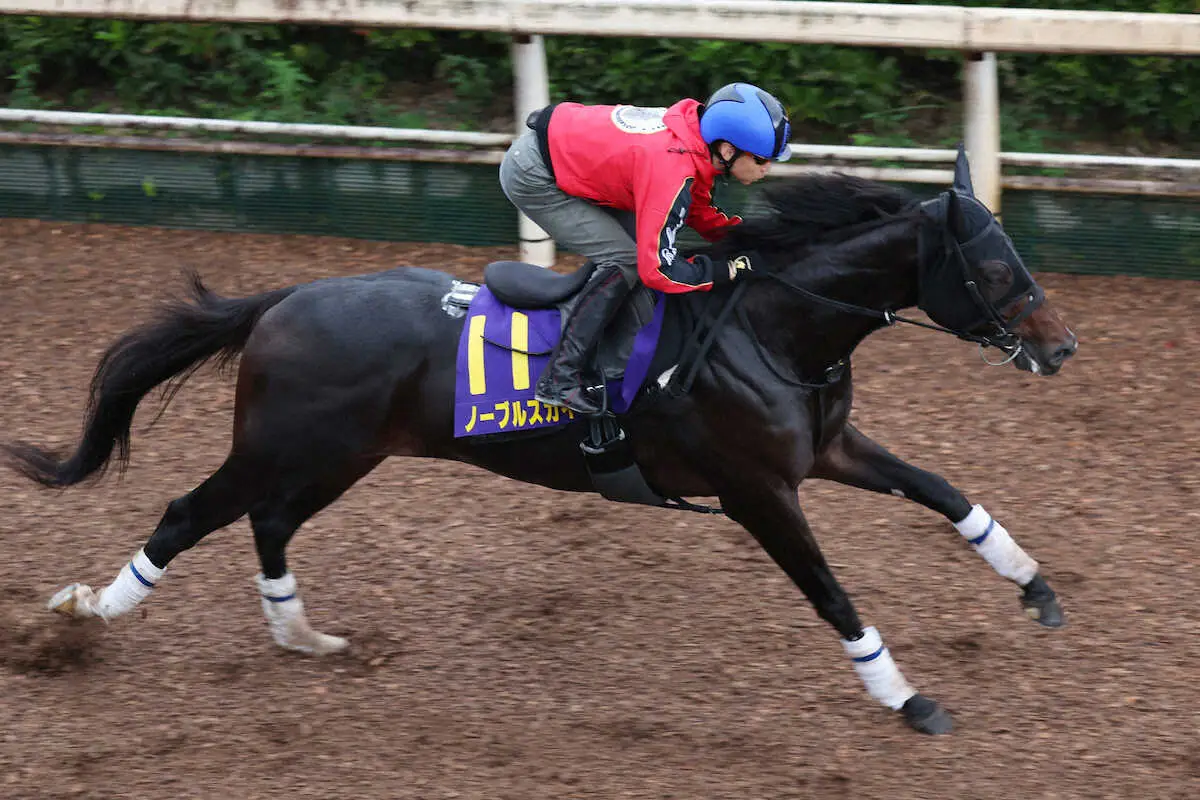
(919, 154)
(194, 124)
(78, 119)
(950, 27)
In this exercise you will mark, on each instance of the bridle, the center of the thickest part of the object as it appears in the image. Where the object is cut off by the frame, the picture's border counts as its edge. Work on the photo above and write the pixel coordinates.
(947, 256)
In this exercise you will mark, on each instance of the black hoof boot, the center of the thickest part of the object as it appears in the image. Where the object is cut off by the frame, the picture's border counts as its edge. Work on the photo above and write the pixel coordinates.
(1041, 604)
(926, 715)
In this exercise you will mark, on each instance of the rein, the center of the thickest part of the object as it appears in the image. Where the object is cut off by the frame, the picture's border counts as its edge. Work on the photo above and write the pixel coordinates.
(704, 335)
(888, 317)
(1003, 339)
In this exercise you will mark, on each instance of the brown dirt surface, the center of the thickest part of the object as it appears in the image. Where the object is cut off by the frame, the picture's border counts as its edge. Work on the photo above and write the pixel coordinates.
(511, 642)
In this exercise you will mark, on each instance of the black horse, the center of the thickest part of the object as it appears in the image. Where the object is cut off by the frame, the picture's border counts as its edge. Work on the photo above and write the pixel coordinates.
(338, 374)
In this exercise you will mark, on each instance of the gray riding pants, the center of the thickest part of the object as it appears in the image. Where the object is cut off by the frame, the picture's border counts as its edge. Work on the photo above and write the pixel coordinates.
(603, 235)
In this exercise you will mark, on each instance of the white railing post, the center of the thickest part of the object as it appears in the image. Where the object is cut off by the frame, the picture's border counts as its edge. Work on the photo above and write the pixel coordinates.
(981, 96)
(531, 91)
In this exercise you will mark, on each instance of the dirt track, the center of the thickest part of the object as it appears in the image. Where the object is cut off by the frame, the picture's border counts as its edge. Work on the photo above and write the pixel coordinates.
(515, 643)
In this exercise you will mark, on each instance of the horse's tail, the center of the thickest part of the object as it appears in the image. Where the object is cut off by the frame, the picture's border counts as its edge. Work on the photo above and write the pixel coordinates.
(168, 349)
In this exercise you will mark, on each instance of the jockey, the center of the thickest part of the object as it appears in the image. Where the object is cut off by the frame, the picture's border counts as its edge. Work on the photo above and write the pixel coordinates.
(616, 183)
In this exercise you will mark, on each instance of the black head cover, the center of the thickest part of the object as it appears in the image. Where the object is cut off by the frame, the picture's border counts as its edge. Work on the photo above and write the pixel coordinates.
(970, 236)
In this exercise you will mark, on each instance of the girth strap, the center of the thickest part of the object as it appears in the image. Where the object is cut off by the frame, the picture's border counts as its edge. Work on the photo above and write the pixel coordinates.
(614, 472)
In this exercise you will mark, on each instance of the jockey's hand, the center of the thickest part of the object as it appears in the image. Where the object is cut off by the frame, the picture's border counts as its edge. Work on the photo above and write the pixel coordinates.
(736, 266)
(742, 264)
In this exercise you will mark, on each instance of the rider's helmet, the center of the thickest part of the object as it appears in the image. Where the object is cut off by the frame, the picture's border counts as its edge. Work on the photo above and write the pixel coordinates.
(749, 119)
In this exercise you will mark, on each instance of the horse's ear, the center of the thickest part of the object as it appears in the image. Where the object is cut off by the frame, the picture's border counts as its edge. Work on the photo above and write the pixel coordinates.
(962, 173)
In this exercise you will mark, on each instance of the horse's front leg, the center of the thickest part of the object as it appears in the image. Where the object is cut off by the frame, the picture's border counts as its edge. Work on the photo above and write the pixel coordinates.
(855, 460)
(771, 513)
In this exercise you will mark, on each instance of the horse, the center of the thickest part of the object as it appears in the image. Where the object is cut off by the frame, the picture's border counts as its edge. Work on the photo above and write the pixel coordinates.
(338, 374)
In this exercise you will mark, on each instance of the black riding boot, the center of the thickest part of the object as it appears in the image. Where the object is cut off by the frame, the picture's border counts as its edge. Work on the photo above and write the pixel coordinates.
(562, 382)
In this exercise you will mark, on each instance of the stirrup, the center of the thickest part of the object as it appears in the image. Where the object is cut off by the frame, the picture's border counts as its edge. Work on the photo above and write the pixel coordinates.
(603, 437)
(600, 391)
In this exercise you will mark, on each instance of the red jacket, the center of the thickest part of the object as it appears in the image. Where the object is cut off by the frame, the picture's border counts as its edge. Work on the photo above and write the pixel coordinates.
(653, 162)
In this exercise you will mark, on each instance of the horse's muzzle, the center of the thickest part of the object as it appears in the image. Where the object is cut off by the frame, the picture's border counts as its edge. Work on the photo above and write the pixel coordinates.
(1046, 360)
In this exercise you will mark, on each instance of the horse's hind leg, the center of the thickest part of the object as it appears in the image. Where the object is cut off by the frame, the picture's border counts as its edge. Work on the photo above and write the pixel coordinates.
(275, 520)
(218, 501)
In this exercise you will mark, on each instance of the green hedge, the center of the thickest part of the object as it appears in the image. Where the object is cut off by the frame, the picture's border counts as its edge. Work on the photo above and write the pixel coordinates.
(445, 79)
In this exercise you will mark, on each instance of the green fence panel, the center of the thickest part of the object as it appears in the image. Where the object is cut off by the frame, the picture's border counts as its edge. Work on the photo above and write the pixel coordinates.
(390, 200)
(463, 204)
(1105, 234)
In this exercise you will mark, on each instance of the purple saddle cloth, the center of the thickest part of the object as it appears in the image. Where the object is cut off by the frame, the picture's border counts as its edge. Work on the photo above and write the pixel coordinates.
(503, 351)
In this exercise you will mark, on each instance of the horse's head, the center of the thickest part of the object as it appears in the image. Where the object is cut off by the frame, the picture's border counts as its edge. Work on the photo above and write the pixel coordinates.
(973, 281)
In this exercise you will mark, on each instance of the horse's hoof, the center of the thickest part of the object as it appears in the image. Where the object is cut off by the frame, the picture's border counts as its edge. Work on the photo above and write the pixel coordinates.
(63, 601)
(76, 601)
(926, 715)
(1041, 604)
(326, 645)
(313, 643)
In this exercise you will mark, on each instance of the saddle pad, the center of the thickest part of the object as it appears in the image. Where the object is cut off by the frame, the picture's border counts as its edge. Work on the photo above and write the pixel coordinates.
(501, 353)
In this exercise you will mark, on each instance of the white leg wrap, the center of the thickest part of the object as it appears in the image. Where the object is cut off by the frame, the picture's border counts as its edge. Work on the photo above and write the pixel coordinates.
(873, 663)
(132, 586)
(991, 540)
(280, 604)
(285, 617)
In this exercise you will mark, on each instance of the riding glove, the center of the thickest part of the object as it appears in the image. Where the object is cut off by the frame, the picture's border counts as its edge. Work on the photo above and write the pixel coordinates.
(737, 266)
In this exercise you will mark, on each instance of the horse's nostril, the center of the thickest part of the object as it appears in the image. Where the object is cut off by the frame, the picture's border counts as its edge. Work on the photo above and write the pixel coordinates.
(1065, 351)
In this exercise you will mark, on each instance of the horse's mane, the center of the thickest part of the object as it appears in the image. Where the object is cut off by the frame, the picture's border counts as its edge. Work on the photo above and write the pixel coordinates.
(795, 215)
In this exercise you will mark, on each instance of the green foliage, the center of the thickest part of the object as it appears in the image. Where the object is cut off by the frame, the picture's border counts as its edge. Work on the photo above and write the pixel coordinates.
(448, 79)
(839, 84)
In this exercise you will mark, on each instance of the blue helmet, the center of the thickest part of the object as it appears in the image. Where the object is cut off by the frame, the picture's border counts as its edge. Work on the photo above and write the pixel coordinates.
(749, 119)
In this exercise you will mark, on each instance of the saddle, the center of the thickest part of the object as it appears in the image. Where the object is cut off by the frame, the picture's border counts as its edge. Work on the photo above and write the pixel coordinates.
(528, 287)
(515, 321)
(523, 285)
